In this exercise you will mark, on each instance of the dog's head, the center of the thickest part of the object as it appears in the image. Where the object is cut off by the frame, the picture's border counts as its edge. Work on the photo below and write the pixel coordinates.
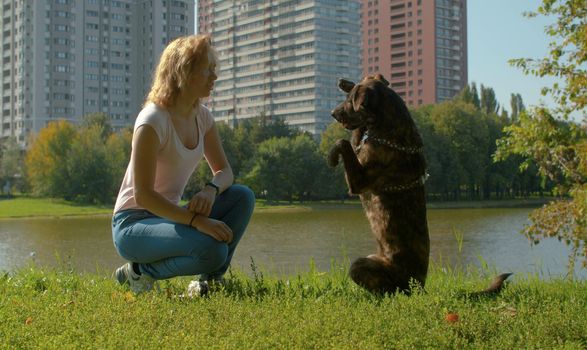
(365, 102)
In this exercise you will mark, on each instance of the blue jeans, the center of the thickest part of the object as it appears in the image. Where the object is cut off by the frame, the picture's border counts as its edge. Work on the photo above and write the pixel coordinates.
(165, 249)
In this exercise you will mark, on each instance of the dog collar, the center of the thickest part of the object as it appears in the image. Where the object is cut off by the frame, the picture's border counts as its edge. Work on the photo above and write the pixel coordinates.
(400, 188)
(410, 150)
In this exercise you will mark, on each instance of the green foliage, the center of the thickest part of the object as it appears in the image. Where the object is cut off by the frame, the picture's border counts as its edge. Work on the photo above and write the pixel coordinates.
(45, 160)
(544, 136)
(56, 309)
(11, 165)
(567, 54)
(285, 167)
(488, 103)
(118, 148)
(83, 163)
(517, 105)
(459, 139)
(559, 149)
(90, 178)
(464, 135)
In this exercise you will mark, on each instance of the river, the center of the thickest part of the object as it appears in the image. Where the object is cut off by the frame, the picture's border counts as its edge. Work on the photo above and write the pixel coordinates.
(285, 242)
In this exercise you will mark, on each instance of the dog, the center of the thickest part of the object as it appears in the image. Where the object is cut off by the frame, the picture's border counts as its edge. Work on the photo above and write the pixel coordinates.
(384, 164)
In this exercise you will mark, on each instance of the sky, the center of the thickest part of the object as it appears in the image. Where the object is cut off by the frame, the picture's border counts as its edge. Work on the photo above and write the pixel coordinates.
(497, 32)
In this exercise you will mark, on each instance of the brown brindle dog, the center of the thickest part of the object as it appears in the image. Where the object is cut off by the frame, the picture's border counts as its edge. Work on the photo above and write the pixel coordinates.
(384, 164)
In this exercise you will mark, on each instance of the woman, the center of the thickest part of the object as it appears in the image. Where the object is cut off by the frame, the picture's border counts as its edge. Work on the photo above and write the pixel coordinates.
(172, 133)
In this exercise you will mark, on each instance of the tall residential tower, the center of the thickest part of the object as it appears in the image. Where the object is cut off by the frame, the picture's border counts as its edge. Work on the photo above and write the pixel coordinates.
(282, 58)
(420, 46)
(63, 59)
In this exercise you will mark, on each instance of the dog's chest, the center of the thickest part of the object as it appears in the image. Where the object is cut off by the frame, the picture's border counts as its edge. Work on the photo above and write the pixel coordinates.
(372, 155)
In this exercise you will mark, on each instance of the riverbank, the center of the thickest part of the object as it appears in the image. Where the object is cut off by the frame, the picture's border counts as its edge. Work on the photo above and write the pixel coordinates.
(55, 309)
(22, 207)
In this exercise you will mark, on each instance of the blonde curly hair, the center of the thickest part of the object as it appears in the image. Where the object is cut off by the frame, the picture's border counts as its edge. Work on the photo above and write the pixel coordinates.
(177, 63)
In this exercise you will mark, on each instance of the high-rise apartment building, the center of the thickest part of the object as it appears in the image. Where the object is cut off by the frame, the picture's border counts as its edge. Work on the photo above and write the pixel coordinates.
(420, 46)
(63, 59)
(282, 58)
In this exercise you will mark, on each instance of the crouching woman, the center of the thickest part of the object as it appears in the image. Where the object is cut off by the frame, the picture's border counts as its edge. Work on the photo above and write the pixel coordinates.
(172, 134)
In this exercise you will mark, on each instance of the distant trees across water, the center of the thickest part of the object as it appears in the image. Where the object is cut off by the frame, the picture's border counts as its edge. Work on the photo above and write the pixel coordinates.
(86, 162)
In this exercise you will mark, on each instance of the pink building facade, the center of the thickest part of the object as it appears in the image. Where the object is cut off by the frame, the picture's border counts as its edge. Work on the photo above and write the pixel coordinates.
(420, 46)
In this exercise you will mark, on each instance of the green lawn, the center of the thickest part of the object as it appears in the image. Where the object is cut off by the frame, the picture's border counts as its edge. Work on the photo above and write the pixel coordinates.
(25, 207)
(28, 207)
(60, 309)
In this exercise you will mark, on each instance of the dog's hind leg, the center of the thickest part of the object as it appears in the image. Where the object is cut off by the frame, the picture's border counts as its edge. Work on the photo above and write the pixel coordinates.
(376, 274)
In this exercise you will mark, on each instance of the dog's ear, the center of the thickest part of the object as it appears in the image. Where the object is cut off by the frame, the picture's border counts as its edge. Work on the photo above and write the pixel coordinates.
(380, 77)
(345, 85)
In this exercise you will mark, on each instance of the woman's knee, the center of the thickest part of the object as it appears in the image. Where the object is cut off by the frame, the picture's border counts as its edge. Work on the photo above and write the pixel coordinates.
(245, 194)
(215, 256)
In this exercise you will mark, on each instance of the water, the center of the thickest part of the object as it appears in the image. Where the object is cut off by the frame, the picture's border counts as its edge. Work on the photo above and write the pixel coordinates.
(286, 242)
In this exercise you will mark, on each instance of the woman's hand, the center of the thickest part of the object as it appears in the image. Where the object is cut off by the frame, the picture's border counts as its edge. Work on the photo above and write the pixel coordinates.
(201, 203)
(214, 228)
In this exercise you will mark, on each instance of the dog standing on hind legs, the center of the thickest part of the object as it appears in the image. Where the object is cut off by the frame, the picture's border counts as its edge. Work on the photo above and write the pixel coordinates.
(385, 165)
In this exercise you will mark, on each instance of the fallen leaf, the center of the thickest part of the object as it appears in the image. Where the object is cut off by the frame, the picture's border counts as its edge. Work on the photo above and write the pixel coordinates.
(29, 320)
(451, 317)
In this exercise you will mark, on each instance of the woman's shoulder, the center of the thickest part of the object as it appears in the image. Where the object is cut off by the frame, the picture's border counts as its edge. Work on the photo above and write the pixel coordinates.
(151, 110)
(205, 110)
(205, 116)
(155, 116)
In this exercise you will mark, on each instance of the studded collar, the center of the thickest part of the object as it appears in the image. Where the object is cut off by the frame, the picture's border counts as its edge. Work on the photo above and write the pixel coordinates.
(406, 149)
(420, 181)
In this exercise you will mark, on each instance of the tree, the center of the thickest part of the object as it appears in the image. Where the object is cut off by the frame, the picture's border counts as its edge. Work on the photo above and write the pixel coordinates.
(469, 95)
(464, 139)
(285, 167)
(544, 135)
(11, 165)
(517, 106)
(45, 161)
(99, 119)
(118, 148)
(475, 96)
(488, 102)
(89, 177)
(567, 55)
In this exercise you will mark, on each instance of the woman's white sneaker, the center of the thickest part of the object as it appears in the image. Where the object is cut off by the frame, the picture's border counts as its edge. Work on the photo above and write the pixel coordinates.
(137, 283)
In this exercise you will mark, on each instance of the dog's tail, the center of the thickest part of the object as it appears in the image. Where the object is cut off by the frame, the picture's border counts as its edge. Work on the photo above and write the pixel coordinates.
(494, 288)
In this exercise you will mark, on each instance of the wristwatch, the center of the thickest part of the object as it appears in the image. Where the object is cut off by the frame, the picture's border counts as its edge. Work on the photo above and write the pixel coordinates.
(214, 186)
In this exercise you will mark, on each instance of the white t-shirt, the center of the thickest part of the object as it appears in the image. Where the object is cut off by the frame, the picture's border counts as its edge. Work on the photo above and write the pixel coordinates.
(175, 162)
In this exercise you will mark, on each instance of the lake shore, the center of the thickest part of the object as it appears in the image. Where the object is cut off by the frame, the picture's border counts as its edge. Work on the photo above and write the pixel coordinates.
(25, 207)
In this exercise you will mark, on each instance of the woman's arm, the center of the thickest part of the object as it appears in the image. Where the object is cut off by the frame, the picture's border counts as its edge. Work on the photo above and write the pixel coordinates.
(144, 165)
(214, 153)
(222, 175)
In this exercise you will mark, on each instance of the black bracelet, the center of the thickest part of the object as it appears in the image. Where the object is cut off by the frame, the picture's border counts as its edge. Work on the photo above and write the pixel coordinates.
(215, 186)
(192, 220)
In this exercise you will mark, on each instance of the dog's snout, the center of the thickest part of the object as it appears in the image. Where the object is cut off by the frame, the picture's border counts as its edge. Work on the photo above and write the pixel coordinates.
(336, 112)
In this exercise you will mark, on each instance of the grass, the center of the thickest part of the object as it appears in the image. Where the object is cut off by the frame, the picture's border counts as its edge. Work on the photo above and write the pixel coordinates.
(19, 207)
(26, 207)
(61, 309)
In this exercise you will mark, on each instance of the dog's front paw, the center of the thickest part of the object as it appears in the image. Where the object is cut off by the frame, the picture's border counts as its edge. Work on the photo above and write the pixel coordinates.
(339, 148)
(333, 157)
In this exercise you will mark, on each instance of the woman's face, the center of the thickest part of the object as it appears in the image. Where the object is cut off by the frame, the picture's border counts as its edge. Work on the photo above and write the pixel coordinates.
(202, 79)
